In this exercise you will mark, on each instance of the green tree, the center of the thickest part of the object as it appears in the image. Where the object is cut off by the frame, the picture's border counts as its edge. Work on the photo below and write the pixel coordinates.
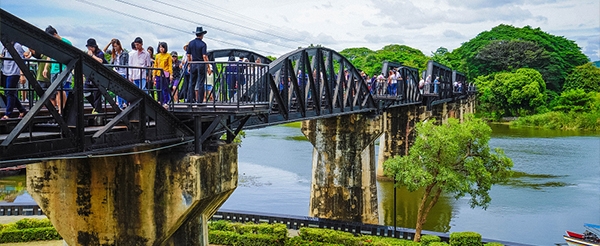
(512, 93)
(564, 54)
(586, 77)
(441, 56)
(453, 158)
(372, 61)
(576, 100)
(510, 55)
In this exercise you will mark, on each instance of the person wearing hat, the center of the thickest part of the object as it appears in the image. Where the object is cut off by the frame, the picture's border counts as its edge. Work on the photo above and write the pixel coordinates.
(91, 92)
(196, 52)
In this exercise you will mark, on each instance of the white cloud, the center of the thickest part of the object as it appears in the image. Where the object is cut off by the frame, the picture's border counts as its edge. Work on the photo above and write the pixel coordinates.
(286, 25)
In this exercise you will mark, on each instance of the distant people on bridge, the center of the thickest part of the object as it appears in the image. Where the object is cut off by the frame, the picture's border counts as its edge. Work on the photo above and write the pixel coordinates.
(55, 69)
(13, 77)
(118, 58)
(231, 78)
(177, 76)
(428, 84)
(436, 84)
(381, 84)
(185, 68)
(163, 77)
(139, 58)
(421, 85)
(90, 89)
(373, 84)
(197, 52)
(210, 81)
(43, 81)
(392, 82)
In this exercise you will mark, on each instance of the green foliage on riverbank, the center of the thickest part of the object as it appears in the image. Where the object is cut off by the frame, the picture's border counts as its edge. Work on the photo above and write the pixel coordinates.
(227, 233)
(27, 230)
(519, 71)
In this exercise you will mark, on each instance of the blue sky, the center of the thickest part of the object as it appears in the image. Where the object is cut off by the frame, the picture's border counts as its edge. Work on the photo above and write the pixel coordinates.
(275, 27)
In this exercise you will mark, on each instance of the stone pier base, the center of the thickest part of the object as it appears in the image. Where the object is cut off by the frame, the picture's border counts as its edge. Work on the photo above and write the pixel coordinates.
(154, 198)
(344, 182)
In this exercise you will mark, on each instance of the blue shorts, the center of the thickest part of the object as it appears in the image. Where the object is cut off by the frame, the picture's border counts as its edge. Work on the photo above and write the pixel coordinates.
(208, 88)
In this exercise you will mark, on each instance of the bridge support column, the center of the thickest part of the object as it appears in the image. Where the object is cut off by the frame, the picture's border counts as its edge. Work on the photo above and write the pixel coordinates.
(154, 198)
(398, 133)
(344, 182)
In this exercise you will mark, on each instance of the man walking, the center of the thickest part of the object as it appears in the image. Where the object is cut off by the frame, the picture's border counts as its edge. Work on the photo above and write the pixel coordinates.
(197, 52)
(139, 58)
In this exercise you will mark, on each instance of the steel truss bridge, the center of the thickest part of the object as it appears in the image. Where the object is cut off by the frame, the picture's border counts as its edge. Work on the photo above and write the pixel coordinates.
(309, 83)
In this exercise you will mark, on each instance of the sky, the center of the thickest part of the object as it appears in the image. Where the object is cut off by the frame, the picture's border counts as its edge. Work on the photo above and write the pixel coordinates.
(276, 27)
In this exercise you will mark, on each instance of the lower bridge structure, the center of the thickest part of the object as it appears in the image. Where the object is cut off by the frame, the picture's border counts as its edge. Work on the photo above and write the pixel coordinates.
(153, 174)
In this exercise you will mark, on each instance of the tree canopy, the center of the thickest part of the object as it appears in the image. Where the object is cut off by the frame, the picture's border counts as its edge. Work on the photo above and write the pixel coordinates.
(512, 93)
(563, 54)
(586, 77)
(371, 61)
(453, 158)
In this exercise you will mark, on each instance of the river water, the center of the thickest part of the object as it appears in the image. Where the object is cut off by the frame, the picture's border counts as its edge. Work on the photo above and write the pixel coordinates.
(558, 187)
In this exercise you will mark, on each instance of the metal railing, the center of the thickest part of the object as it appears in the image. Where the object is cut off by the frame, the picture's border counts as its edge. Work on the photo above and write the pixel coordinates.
(232, 83)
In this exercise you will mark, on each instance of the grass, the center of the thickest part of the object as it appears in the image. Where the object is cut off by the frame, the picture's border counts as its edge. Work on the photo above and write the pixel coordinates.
(297, 124)
(297, 138)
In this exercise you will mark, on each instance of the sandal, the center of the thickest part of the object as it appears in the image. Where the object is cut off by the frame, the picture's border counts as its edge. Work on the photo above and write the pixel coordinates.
(21, 115)
(5, 117)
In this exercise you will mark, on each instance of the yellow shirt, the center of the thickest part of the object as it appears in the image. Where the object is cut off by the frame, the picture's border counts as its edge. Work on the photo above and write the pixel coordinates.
(163, 61)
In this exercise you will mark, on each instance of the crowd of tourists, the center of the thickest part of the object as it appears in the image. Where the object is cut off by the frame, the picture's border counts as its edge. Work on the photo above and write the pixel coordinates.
(172, 78)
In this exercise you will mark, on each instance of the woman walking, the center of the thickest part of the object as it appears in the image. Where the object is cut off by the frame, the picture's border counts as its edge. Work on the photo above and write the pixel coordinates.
(118, 58)
(162, 80)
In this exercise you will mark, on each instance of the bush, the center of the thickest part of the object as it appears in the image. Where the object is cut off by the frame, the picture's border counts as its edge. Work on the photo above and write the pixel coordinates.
(466, 238)
(29, 234)
(427, 239)
(33, 223)
(328, 236)
(220, 225)
(493, 244)
(386, 241)
(298, 241)
(223, 237)
(438, 244)
(259, 240)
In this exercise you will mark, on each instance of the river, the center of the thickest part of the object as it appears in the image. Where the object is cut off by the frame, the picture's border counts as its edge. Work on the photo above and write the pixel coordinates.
(557, 189)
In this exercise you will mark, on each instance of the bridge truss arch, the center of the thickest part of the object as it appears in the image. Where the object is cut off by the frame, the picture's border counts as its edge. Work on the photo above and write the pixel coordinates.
(317, 82)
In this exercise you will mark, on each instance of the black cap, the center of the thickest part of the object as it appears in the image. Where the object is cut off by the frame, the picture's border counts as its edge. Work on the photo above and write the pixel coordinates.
(173, 53)
(50, 30)
(91, 42)
(138, 40)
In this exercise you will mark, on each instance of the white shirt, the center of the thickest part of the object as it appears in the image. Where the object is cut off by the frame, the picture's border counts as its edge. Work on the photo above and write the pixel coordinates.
(138, 59)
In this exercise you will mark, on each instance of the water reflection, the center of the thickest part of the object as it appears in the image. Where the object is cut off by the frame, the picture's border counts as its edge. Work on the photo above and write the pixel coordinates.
(407, 204)
(11, 188)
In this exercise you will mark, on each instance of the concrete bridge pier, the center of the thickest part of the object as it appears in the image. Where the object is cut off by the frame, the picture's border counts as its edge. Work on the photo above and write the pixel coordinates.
(398, 133)
(399, 126)
(344, 182)
(154, 198)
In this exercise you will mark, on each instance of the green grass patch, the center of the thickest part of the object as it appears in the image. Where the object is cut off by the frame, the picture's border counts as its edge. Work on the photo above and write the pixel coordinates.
(297, 138)
(297, 124)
